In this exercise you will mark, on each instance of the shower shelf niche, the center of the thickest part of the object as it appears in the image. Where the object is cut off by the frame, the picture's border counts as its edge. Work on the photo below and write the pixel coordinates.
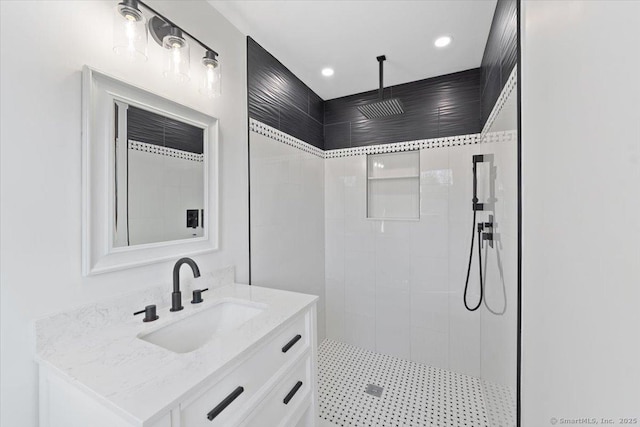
(393, 186)
(393, 177)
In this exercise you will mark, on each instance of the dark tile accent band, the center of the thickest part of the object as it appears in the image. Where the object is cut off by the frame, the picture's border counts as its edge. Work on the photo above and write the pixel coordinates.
(449, 141)
(434, 108)
(152, 128)
(452, 104)
(281, 100)
(500, 54)
(502, 99)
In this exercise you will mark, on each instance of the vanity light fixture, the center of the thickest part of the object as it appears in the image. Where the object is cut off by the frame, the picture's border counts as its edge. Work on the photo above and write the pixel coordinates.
(129, 31)
(211, 85)
(176, 55)
(130, 39)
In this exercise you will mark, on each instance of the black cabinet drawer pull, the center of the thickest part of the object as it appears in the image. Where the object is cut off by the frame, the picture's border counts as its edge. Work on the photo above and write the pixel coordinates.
(291, 343)
(226, 402)
(293, 391)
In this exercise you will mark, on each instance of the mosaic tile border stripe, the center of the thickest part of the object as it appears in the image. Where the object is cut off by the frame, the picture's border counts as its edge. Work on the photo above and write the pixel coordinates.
(449, 141)
(501, 136)
(165, 151)
(269, 132)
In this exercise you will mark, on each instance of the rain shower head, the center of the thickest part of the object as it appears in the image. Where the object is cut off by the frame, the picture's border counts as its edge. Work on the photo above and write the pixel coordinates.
(388, 107)
(381, 107)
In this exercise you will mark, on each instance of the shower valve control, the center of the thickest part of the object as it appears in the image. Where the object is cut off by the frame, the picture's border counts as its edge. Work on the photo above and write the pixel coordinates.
(486, 235)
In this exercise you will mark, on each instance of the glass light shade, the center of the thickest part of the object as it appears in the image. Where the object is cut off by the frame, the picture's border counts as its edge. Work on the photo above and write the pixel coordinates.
(211, 83)
(129, 32)
(176, 57)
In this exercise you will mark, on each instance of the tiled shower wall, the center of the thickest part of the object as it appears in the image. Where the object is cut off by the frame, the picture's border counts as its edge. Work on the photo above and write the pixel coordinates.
(499, 313)
(287, 219)
(391, 286)
(396, 287)
(161, 188)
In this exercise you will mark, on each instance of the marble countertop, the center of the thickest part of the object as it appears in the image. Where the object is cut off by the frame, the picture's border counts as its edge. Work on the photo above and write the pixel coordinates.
(97, 349)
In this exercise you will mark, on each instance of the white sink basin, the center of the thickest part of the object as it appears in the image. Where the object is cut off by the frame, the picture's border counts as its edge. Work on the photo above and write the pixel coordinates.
(193, 332)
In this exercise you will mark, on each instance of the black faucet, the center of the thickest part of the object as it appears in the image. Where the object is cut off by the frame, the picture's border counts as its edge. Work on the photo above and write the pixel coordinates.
(176, 295)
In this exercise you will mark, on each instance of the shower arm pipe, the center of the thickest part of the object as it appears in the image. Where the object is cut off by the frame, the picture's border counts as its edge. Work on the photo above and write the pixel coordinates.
(168, 21)
(381, 60)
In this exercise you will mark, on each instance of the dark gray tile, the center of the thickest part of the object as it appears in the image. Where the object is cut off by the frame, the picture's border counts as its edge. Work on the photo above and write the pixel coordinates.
(300, 125)
(274, 80)
(152, 128)
(460, 119)
(509, 49)
(393, 129)
(315, 133)
(346, 108)
(281, 100)
(337, 135)
(490, 94)
(500, 55)
(265, 112)
(316, 106)
(421, 100)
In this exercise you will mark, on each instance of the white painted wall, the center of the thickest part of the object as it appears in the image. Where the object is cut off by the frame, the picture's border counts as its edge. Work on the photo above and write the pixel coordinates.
(396, 287)
(581, 210)
(43, 47)
(287, 220)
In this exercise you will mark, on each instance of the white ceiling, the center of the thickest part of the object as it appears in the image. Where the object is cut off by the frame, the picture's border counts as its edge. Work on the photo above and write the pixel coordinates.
(347, 35)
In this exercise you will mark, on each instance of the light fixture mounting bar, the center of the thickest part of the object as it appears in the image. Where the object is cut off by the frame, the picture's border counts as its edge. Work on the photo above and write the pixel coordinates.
(173, 24)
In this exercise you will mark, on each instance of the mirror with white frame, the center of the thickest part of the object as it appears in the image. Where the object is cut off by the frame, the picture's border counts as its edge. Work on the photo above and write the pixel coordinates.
(150, 181)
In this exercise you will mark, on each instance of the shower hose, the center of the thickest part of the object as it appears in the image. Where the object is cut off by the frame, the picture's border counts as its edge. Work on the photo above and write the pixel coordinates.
(466, 283)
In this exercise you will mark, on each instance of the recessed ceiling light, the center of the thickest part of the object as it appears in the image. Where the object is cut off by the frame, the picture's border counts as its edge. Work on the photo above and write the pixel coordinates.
(327, 72)
(442, 41)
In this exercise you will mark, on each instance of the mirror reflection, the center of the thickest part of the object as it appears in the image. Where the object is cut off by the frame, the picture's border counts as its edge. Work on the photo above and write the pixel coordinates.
(159, 177)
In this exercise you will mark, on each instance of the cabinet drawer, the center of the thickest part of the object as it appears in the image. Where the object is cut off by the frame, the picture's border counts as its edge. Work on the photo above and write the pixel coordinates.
(292, 341)
(226, 401)
(290, 394)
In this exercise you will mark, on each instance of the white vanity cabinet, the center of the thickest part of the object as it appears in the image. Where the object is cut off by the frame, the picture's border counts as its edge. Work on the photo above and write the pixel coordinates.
(257, 379)
(272, 383)
(288, 400)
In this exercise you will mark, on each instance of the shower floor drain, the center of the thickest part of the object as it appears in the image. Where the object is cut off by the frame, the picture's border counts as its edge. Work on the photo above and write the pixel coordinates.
(374, 390)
